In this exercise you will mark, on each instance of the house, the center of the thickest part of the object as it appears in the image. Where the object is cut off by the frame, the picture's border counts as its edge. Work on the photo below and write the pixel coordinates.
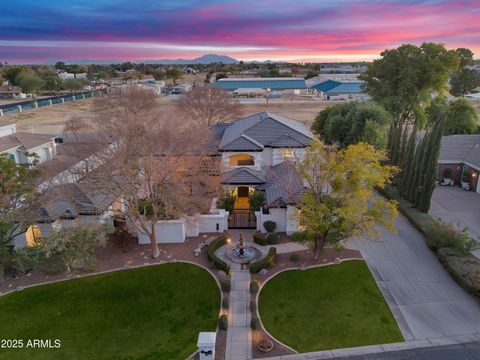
(461, 154)
(340, 90)
(153, 85)
(20, 145)
(259, 152)
(294, 85)
(69, 205)
(11, 92)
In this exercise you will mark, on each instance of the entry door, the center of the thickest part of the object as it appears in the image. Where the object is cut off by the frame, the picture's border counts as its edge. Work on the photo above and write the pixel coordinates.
(242, 191)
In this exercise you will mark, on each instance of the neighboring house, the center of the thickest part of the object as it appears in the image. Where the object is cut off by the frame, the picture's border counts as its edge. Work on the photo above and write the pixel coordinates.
(340, 90)
(259, 152)
(69, 205)
(295, 85)
(11, 92)
(461, 153)
(18, 145)
(153, 85)
(65, 76)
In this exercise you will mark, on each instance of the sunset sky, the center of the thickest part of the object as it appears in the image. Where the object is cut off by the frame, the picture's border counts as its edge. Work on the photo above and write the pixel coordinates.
(33, 31)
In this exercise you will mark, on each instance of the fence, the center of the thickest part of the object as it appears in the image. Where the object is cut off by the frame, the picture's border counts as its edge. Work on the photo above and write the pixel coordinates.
(50, 101)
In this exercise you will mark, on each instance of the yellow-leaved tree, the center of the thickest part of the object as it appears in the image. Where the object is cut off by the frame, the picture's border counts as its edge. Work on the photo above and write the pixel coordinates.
(340, 199)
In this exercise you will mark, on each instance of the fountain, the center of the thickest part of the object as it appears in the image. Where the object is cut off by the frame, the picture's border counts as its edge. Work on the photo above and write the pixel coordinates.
(242, 253)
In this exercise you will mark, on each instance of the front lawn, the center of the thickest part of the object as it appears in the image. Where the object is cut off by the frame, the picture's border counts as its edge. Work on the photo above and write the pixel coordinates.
(329, 307)
(153, 312)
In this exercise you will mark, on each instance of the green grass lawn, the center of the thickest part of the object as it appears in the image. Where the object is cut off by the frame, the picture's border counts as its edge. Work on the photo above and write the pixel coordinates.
(328, 307)
(153, 312)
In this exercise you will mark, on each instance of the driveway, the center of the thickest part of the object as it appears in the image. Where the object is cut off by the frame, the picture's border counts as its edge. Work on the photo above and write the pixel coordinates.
(459, 207)
(426, 302)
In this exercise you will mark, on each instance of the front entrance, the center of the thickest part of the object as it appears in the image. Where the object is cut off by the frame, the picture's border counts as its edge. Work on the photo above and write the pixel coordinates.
(242, 219)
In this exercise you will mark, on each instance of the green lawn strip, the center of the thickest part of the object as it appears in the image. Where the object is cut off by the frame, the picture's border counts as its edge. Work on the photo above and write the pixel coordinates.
(153, 312)
(329, 307)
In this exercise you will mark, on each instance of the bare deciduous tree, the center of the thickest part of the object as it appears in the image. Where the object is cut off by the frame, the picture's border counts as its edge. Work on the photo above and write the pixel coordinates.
(154, 161)
(208, 105)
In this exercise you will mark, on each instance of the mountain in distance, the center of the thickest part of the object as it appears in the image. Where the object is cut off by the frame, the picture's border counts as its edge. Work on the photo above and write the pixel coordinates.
(204, 59)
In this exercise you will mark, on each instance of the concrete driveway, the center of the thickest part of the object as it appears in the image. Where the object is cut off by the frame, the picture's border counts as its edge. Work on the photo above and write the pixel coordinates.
(458, 207)
(426, 302)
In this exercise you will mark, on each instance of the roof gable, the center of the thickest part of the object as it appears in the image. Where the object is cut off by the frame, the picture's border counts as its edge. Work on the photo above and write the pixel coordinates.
(243, 143)
(242, 175)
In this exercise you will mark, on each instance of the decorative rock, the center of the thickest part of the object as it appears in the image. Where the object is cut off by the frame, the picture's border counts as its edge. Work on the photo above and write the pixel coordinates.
(263, 272)
(337, 260)
(126, 266)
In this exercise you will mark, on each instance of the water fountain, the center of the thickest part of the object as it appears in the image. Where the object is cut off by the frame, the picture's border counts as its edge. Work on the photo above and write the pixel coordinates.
(242, 253)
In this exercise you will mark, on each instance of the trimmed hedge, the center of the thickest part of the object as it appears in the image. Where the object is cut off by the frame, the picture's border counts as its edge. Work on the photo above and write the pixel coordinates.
(270, 226)
(272, 239)
(259, 239)
(223, 322)
(267, 262)
(226, 285)
(450, 245)
(254, 286)
(255, 324)
(214, 246)
(464, 268)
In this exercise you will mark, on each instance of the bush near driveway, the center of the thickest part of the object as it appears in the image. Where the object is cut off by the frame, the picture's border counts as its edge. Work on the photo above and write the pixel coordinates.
(153, 312)
(464, 268)
(451, 246)
(327, 307)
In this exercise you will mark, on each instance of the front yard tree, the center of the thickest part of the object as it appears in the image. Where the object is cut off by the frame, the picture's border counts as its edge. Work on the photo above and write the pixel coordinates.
(340, 201)
(153, 161)
(17, 196)
(174, 73)
(462, 118)
(465, 80)
(30, 83)
(208, 106)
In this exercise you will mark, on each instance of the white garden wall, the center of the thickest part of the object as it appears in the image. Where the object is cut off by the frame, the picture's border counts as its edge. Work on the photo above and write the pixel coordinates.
(285, 218)
(167, 231)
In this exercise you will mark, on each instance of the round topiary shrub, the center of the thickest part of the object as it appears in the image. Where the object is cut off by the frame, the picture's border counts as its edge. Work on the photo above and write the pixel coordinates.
(253, 305)
(255, 324)
(272, 239)
(259, 239)
(254, 287)
(225, 303)
(225, 284)
(270, 226)
(294, 258)
(223, 322)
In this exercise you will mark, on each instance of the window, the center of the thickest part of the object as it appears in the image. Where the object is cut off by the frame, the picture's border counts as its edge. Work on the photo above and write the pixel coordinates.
(287, 153)
(241, 160)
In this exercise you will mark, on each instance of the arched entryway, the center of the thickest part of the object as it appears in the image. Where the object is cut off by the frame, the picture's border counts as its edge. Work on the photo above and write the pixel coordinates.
(242, 217)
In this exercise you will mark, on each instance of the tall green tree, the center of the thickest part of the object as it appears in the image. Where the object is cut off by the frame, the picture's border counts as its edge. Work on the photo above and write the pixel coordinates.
(17, 196)
(461, 118)
(174, 73)
(465, 80)
(340, 201)
(30, 83)
(13, 72)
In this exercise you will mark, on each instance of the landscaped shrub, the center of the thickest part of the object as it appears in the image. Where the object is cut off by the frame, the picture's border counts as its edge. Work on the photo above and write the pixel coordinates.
(270, 226)
(225, 302)
(272, 238)
(214, 245)
(255, 324)
(226, 285)
(294, 258)
(259, 239)
(226, 201)
(464, 268)
(267, 262)
(254, 286)
(256, 200)
(440, 235)
(223, 322)
(253, 305)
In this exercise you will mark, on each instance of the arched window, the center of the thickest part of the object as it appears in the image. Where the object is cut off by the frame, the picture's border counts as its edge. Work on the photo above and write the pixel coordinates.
(241, 160)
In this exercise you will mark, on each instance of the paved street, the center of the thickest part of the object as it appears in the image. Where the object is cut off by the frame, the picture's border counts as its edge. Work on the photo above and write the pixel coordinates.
(459, 207)
(425, 300)
(449, 352)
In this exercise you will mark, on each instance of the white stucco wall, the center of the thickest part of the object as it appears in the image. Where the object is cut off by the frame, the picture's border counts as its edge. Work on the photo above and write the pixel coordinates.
(286, 219)
(8, 129)
(167, 232)
(277, 157)
(292, 224)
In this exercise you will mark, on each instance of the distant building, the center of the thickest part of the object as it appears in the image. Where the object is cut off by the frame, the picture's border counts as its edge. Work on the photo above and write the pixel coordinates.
(339, 90)
(294, 85)
(19, 146)
(11, 92)
(65, 76)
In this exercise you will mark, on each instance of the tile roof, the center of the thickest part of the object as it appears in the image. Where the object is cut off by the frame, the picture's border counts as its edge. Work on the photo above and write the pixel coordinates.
(460, 149)
(27, 140)
(242, 175)
(264, 129)
(278, 83)
(71, 200)
(283, 185)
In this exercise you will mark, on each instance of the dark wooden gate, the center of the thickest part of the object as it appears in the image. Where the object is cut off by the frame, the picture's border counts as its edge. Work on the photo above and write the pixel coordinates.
(242, 219)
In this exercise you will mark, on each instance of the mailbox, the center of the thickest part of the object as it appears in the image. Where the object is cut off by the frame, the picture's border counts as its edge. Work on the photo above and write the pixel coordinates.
(206, 345)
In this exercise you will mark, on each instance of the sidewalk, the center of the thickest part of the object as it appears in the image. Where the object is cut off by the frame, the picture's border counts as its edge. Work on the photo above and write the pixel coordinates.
(239, 335)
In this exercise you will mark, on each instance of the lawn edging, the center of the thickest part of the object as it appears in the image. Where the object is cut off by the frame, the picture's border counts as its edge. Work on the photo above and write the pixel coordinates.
(262, 284)
(463, 267)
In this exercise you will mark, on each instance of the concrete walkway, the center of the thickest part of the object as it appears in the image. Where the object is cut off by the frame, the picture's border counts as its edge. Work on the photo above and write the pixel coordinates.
(239, 335)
